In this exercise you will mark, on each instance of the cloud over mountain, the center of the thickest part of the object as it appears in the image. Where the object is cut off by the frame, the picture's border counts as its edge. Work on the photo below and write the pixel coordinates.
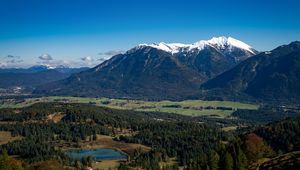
(108, 54)
(46, 57)
(10, 61)
(111, 52)
(87, 59)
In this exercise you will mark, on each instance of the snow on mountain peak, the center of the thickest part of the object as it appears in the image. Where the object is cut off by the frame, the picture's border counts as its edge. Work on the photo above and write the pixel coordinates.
(216, 42)
(171, 47)
(229, 41)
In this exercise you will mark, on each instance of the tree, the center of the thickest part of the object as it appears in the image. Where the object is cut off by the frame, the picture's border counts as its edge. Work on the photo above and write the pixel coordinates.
(242, 161)
(94, 136)
(78, 165)
(4, 161)
(213, 159)
(226, 162)
(256, 147)
(89, 161)
(7, 163)
(84, 161)
(122, 167)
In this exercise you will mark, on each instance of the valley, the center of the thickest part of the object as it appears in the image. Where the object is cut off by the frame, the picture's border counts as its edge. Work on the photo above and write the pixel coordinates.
(192, 115)
(216, 104)
(186, 107)
(149, 85)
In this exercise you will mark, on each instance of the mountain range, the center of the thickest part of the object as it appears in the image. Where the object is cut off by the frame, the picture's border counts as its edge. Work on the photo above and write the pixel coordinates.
(271, 75)
(219, 68)
(35, 75)
(38, 68)
(156, 71)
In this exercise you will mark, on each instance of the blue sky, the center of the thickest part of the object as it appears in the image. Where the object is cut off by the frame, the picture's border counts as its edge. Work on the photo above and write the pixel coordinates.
(81, 32)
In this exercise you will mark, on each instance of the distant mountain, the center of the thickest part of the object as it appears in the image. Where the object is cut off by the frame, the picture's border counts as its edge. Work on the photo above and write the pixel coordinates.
(33, 69)
(38, 68)
(35, 75)
(272, 75)
(29, 80)
(155, 71)
(69, 70)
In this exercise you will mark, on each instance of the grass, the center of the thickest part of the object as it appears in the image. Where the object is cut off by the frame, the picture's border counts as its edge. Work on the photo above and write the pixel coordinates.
(6, 137)
(186, 107)
(229, 128)
(108, 142)
(169, 163)
(191, 112)
(107, 164)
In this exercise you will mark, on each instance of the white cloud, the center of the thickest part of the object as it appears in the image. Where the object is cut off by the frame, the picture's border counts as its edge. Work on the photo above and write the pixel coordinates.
(111, 52)
(46, 57)
(55, 63)
(14, 61)
(12, 56)
(108, 54)
(2, 64)
(10, 61)
(87, 59)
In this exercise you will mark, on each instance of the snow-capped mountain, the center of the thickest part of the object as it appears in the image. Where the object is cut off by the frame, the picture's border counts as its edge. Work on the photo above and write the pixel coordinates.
(220, 43)
(156, 70)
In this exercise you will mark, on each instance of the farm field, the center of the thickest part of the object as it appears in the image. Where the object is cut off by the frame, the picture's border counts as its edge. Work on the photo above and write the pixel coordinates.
(186, 107)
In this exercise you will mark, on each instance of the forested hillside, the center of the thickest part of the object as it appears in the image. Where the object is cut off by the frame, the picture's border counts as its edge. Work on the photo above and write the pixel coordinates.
(191, 143)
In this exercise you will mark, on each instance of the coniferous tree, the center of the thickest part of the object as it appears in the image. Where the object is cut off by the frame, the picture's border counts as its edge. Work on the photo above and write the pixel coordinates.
(242, 161)
(214, 159)
(227, 162)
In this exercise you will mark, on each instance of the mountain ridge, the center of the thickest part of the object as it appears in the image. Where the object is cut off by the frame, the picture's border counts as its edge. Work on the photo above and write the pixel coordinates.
(216, 42)
(269, 75)
(151, 73)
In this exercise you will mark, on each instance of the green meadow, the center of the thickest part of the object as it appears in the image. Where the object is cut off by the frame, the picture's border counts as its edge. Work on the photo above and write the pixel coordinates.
(186, 107)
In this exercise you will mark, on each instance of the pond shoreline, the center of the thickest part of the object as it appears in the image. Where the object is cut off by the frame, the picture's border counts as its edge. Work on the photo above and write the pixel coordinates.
(97, 154)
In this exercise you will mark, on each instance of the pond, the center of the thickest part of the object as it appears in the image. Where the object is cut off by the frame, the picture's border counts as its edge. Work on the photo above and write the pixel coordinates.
(96, 154)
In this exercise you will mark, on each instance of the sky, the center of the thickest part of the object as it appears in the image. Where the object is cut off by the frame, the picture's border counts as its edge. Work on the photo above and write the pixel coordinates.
(86, 32)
